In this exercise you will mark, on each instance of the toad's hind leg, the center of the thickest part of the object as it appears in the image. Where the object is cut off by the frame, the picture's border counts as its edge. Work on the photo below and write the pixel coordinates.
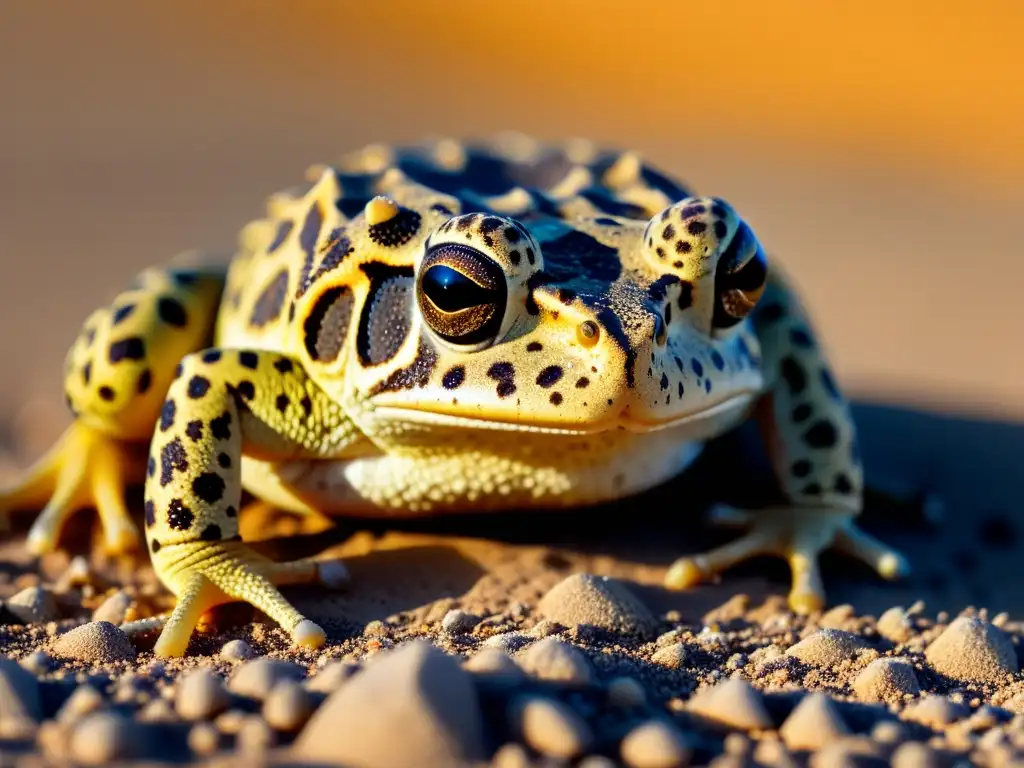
(810, 436)
(224, 403)
(115, 377)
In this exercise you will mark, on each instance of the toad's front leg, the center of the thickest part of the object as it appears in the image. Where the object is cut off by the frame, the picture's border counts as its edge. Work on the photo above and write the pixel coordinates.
(225, 403)
(810, 436)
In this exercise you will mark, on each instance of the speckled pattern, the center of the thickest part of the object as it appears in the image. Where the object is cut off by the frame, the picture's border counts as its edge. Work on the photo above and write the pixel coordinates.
(451, 327)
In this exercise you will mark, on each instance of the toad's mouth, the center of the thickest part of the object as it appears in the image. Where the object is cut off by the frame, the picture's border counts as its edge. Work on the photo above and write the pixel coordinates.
(709, 416)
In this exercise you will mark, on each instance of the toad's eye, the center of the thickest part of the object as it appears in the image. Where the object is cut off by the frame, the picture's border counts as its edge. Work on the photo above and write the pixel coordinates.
(462, 294)
(739, 279)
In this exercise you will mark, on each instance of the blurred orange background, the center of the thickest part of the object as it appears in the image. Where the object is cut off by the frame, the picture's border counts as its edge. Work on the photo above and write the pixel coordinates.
(877, 147)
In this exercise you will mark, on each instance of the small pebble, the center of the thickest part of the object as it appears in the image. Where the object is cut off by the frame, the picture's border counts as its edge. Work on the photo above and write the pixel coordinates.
(457, 622)
(258, 677)
(672, 656)
(231, 722)
(114, 608)
(78, 573)
(914, 754)
(38, 662)
(509, 642)
(102, 737)
(654, 744)
(200, 695)
(288, 706)
(886, 679)
(827, 647)
(159, 710)
(496, 665)
(935, 711)
(331, 677)
(33, 605)
(236, 650)
(203, 739)
(255, 735)
(625, 693)
(733, 703)
(545, 628)
(599, 601)
(813, 723)
(81, 702)
(895, 625)
(20, 702)
(552, 728)
(972, 650)
(554, 659)
(98, 641)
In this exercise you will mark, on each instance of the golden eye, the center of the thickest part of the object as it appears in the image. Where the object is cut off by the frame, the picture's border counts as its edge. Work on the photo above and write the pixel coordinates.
(739, 278)
(587, 333)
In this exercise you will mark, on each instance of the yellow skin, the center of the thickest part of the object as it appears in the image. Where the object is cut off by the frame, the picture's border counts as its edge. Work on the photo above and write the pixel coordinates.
(450, 328)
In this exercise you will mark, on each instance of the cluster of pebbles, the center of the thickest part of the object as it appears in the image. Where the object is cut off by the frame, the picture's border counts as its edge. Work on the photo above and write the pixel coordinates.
(589, 676)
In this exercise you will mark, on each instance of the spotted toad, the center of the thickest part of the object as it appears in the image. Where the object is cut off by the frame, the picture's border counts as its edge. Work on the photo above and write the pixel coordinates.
(449, 327)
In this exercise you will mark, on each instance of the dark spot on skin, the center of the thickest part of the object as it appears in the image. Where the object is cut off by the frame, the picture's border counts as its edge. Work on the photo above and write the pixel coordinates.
(707, 385)
(717, 360)
(604, 221)
(822, 434)
(843, 484)
(284, 228)
(442, 209)
(811, 489)
(668, 232)
(555, 399)
(454, 377)
(172, 457)
(801, 413)
(194, 430)
(179, 517)
(283, 365)
(514, 257)
(178, 370)
(198, 386)
(718, 210)
(549, 376)
(209, 487)
(696, 227)
(680, 388)
(281, 403)
(660, 251)
(582, 382)
(801, 338)
(512, 235)
(122, 313)
(106, 393)
(793, 375)
(87, 373)
(721, 230)
(682, 247)
(249, 360)
(172, 312)
(801, 468)
(416, 374)
(224, 460)
(307, 241)
(155, 546)
(271, 301)
(830, 385)
(211, 356)
(132, 348)
(658, 290)
(534, 346)
(697, 367)
(504, 373)
(576, 253)
(530, 256)
(307, 406)
(398, 230)
(220, 427)
(151, 467)
(246, 390)
(695, 209)
(150, 513)
(145, 382)
(685, 299)
(231, 512)
(566, 296)
(167, 414)
(210, 533)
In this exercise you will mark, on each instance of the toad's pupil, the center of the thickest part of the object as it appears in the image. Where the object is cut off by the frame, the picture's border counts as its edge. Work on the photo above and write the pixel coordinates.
(451, 291)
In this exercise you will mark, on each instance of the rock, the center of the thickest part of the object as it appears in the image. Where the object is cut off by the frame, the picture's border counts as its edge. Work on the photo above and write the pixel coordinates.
(200, 695)
(509, 642)
(98, 641)
(935, 711)
(551, 727)
(415, 690)
(827, 648)
(236, 650)
(625, 693)
(203, 739)
(495, 665)
(457, 622)
(654, 744)
(733, 703)
(886, 680)
(103, 737)
(257, 678)
(20, 703)
(81, 702)
(599, 601)
(33, 605)
(39, 662)
(554, 659)
(672, 656)
(114, 608)
(914, 754)
(972, 650)
(331, 677)
(288, 707)
(895, 625)
(255, 736)
(813, 723)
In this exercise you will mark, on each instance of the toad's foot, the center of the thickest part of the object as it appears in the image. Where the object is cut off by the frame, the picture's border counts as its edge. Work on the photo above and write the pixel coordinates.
(85, 468)
(800, 535)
